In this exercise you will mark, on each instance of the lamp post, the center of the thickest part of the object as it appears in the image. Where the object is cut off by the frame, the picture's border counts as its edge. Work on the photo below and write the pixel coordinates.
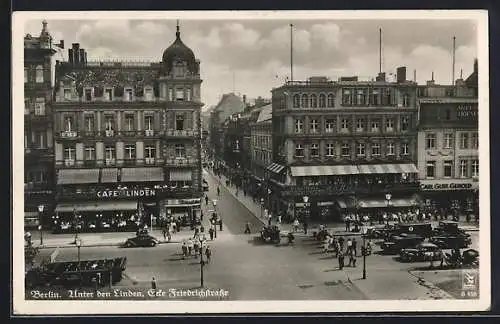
(202, 265)
(261, 208)
(214, 202)
(78, 243)
(40, 227)
(306, 207)
(364, 252)
(388, 198)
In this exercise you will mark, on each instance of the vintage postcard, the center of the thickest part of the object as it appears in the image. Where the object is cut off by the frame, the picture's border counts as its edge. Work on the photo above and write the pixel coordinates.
(229, 162)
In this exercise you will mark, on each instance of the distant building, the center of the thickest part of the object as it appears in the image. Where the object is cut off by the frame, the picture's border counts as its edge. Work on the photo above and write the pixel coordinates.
(343, 146)
(38, 127)
(127, 138)
(448, 141)
(261, 137)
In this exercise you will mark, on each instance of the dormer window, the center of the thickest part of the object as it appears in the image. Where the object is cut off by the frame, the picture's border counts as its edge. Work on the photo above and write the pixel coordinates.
(88, 94)
(108, 94)
(128, 94)
(148, 94)
(179, 69)
(179, 94)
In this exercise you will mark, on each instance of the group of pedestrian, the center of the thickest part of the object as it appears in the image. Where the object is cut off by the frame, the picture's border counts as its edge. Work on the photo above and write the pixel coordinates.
(195, 247)
(343, 248)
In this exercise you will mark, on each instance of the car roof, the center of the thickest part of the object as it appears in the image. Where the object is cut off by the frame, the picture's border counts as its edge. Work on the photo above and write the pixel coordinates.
(426, 244)
(448, 222)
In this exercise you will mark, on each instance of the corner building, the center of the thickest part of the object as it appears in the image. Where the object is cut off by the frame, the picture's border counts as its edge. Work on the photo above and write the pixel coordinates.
(345, 145)
(127, 139)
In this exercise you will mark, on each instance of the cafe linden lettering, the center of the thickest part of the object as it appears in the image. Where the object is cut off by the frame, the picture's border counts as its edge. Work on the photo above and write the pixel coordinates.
(124, 193)
(447, 186)
(317, 190)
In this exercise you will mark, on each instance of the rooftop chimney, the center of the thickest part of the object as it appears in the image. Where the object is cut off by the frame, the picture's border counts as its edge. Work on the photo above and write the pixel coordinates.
(76, 53)
(401, 74)
(82, 56)
(380, 77)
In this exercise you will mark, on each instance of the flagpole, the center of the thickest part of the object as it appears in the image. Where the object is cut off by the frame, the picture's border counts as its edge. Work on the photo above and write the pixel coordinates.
(291, 52)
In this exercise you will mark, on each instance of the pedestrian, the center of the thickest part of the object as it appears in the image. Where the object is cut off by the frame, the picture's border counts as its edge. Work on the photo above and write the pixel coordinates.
(247, 228)
(352, 259)
(220, 223)
(218, 190)
(341, 243)
(153, 285)
(296, 225)
(206, 199)
(349, 245)
(190, 246)
(279, 218)
(208, 253)
(211, 233)
(184, 249)
(196, 245)
(354, 247)
(326, 242)
(341, 260)
(305, 227)
(441, 265)
(164, 231)
(174, 227)
(269, 218)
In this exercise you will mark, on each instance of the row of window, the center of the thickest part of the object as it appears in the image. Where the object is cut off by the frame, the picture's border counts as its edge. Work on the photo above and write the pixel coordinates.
(466, 169)
(360, 125)
(129, 123)
(261, 141)
(350, 97)
(345, 149)
(262, 155)
(39, 71)
(38, 139)
(129, 152)
(39, 106)
(466, 140)
(174, 94)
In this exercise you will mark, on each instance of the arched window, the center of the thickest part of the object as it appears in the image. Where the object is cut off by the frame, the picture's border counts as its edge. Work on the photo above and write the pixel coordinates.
(39, 74)
(305, 101)
(322, 101)
(296, 101)
(313, 101)
(331, 100)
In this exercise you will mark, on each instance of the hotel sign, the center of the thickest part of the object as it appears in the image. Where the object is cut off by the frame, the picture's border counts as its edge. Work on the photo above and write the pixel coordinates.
(443, 185)
(467, 112)
(126, 193)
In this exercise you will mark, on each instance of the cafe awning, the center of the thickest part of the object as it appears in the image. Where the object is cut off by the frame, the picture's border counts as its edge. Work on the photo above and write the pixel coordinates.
(387, 168)
(275, 167)
(109, 175)
(180, 175)
(96, 206)
(142, 174)
(323, 170)
(77, 176)
(382, 203)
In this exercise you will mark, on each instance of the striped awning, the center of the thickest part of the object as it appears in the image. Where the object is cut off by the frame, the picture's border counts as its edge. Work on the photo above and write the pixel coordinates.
(323, 170)
(77, 176)
(109, 175)
(275, 167)
(180, 175)
(97, 206)
(387, 168)
(142, 174)
(382, 203)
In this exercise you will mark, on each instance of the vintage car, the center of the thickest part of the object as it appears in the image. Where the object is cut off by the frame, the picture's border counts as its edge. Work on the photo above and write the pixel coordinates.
(142, 239)
(449, 228)
(396, 243)
(270, 234)
(421, 229)
(451, 241)
(421, 252)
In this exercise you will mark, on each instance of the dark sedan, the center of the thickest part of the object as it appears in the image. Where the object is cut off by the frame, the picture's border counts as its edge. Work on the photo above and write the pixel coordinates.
(452, 241)
(141, 241)
(421, 252)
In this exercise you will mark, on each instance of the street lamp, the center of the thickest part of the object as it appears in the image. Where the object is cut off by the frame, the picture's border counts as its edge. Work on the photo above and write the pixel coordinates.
(78, 243)
(364, 251)
(388, 198)
(261, 208)
(40, 227)
(214, 202)
(306, 205)
(202, 264)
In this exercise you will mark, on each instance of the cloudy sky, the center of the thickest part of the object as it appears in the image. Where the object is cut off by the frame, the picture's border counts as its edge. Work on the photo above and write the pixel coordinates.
(256, 53)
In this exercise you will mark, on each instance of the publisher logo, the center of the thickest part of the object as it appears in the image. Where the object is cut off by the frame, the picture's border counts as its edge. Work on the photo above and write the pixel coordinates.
(470, 283)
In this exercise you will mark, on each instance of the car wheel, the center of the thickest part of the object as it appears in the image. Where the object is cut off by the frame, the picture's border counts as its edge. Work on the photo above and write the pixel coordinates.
(153, 244)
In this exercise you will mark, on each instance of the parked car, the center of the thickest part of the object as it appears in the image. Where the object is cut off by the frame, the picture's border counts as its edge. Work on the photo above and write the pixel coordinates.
(449, 228)
(421, 252)
(141, 240)
(421, 229)
(396, 243)
(451, 241)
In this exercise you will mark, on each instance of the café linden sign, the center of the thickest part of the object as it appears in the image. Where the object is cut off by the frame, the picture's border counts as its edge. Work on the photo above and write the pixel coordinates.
(126, 193)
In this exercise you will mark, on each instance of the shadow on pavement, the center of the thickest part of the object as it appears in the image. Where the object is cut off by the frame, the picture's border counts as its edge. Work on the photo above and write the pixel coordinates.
(315, 253)
(256, 240)
(175, 259)
(327, 258)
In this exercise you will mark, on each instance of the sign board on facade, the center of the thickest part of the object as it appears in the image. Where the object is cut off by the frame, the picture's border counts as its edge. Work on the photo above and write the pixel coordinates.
(126, 193)
(443, 185)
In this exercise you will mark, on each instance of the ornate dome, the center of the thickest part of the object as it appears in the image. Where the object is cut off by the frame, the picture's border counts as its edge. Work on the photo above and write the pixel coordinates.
(178, 51)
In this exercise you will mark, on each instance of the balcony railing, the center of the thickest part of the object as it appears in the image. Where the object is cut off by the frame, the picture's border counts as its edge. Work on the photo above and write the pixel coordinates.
(109, 133)
(69, 134)
(149, 132)
(180, 162)
(69, 162)
(343, 188)
(180, 133)
(110, 161)
(149, 160)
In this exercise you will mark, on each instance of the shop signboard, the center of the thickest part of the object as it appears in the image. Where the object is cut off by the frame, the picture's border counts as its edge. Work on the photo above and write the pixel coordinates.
(449, 185)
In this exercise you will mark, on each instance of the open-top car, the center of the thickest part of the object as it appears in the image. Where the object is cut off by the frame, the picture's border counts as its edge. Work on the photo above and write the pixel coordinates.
(142, 239)
(421, 252)
(396, 243)
(451, 241)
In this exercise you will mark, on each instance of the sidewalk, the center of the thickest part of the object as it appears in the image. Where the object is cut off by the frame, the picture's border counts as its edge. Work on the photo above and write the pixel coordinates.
(337, 228)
